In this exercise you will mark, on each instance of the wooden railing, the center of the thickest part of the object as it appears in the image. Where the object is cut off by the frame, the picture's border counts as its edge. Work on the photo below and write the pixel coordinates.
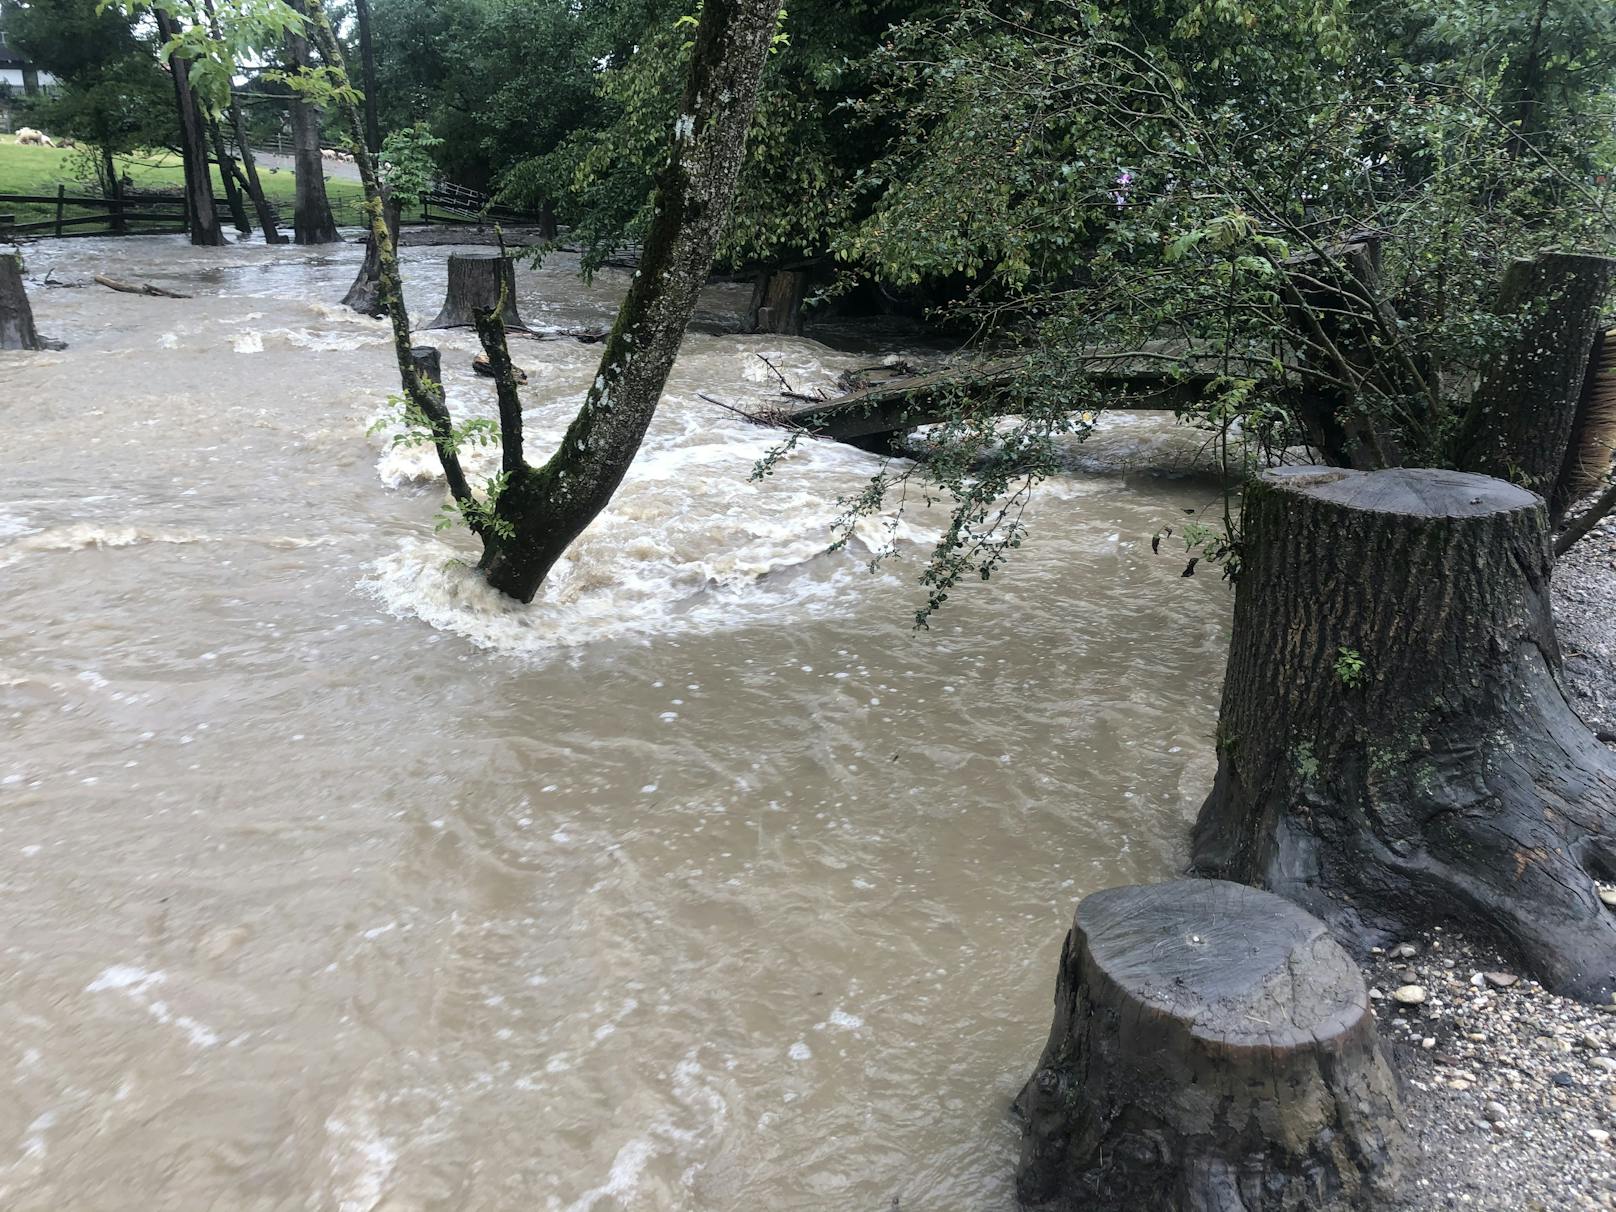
(122, 216)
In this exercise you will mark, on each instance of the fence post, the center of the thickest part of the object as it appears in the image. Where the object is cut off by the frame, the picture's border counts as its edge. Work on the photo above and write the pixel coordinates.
(61, 197)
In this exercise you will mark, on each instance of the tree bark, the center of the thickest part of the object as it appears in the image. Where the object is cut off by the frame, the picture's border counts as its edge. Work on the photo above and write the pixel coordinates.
(546, 508)
(478, 281)
(17, 329)
(1212, 1051)
(1592, 445)
(227, 174)
(1520, 418)
(777, 302)
(114, 191)
(367, 64)
(365, 295)
(200, 217)
(1394, 747)
(268, 219)
(312, 222)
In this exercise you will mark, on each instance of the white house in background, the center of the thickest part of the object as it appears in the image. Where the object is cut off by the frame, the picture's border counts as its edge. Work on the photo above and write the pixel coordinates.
(18, 78)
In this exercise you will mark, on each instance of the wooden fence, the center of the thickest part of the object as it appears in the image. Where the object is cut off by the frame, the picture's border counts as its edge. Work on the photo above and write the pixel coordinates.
(143, 216)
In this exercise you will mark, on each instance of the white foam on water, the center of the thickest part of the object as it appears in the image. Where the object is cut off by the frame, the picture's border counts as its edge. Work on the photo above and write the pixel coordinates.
(77, 536)
(361, 1159)
(248, 342)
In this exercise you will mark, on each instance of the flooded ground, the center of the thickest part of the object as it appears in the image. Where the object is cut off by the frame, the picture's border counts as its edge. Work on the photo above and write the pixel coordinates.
(703, 883)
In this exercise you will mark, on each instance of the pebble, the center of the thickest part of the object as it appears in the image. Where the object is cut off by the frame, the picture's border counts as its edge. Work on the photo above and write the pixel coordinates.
(1608, 896)
(1501, 980)
(1405, 951)
(1603, 1063)
(1599, 1136)
(1409, 995)
(1496, 1112)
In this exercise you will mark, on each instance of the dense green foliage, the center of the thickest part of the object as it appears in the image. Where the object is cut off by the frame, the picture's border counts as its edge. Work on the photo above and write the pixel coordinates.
(113, 96)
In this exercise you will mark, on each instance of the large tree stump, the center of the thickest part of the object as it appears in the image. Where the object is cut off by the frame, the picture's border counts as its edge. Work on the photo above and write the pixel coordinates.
(17, 329)
(1521, 415)
(1212, 1051)
(474, 282)
(1394, 747)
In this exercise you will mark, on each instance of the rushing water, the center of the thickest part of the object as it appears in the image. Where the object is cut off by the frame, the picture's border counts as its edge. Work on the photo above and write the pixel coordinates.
(333, 882)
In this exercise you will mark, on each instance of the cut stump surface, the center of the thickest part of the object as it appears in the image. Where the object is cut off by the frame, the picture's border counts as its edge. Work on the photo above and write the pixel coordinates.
(1212, 1049)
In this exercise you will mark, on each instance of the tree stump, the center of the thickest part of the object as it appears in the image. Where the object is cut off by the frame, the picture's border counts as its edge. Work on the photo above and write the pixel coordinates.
(1521, 415)
(17, 329)
(1212, 1051)
(776, 303)
(475, 281)
(1394, 747)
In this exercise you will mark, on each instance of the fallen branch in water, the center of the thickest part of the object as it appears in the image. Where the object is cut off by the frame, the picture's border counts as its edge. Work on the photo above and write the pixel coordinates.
(140, 288)
(775, 418)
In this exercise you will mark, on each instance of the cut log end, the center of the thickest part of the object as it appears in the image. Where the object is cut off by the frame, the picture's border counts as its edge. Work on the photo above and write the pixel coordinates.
(1212, 1048)
(1413, 492)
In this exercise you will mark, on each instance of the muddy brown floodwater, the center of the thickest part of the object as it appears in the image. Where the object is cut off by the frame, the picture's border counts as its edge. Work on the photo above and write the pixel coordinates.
(705, 883)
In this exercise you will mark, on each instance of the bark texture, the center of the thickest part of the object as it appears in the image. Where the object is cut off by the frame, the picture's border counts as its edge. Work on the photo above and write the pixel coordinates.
(1212, 1051)
(777, 302)
(478, 282)
(547, 507)
(1521, 416)
(365, 295)
(1394, 746)
(312, 222)
(200, 217)
(1592, 445)
(17, 329)
(227, 174)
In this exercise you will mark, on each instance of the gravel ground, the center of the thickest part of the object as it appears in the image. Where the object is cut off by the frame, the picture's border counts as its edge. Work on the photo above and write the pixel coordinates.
(1510, 1090)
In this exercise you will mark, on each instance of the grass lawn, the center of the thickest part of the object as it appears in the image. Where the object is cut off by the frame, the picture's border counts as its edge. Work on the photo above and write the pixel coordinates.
(39, 170)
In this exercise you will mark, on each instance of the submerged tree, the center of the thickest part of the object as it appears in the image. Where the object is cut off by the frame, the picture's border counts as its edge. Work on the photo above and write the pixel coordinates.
(531, 515)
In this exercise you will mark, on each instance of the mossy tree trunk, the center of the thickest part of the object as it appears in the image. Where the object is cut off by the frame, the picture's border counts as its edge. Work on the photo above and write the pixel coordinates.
(365, 295)
(1394, 747)
(543, 509)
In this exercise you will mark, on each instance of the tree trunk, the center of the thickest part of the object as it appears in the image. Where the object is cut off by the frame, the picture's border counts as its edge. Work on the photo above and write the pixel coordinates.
(777, 302)
(544, 509)
(114, 191)
(200, 217)
(1394, 747)
(365, 295)
(312, 222)
(1592, 444)
(367, 63)
(17, 329)
(1520, 418)
(475, 281)
(227, 174)
(268, 219)
(1212, 1051)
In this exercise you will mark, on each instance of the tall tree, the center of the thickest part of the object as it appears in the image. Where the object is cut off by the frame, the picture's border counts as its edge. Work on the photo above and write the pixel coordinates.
(201, 218)
(312, 221)
(367, 60)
